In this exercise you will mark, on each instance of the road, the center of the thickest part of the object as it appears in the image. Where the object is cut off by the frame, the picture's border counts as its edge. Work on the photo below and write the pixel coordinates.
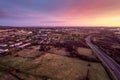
(107, 61)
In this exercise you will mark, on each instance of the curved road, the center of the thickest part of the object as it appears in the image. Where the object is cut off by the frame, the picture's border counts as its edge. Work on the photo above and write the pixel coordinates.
(107, 61)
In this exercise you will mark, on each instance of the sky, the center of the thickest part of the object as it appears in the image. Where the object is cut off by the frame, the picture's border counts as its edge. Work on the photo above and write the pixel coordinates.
(60, 12)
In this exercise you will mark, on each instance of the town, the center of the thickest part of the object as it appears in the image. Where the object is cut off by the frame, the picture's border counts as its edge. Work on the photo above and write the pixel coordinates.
(24, 50)
(16, 39)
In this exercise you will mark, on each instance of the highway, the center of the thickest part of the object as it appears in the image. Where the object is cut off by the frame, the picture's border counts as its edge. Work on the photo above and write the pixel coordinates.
(107, 61)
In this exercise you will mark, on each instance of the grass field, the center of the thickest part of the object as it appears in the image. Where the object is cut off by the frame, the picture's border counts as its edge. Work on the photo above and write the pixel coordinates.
(50, 67)
(59, 51)
(29, 52)
(86, 52)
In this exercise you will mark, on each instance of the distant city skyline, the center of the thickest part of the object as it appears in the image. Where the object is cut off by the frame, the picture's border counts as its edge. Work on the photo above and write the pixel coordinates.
(60, 12)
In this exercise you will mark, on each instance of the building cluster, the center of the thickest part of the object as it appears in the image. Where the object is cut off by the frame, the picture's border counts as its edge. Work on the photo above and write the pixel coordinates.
(116, 31)
(13, 38)
(20, 38)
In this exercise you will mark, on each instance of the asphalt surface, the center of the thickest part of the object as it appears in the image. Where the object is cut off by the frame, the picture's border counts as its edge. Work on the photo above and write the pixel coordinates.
(107, 61)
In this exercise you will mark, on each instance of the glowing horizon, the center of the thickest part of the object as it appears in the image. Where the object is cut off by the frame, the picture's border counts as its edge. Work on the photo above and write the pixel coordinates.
(60, 12)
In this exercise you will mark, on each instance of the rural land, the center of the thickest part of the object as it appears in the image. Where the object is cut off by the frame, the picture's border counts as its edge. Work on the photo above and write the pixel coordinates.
(59, 53)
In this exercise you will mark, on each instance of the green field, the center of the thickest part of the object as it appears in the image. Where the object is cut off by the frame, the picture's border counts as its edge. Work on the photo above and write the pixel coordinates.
(59, 51)
(49, 67)
(86, 52)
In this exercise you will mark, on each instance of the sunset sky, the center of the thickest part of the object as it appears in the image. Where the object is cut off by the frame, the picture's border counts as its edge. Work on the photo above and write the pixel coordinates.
(60, 12)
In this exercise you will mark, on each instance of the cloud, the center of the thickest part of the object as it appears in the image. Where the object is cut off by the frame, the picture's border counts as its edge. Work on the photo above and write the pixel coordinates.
(56, 11)
(3, 14)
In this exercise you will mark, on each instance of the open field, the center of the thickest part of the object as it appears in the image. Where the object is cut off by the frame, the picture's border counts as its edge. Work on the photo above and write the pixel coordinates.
(116, 46)
(50, 67)
(59, 51)
(86, 52)
(30, 52)
(110, 44)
